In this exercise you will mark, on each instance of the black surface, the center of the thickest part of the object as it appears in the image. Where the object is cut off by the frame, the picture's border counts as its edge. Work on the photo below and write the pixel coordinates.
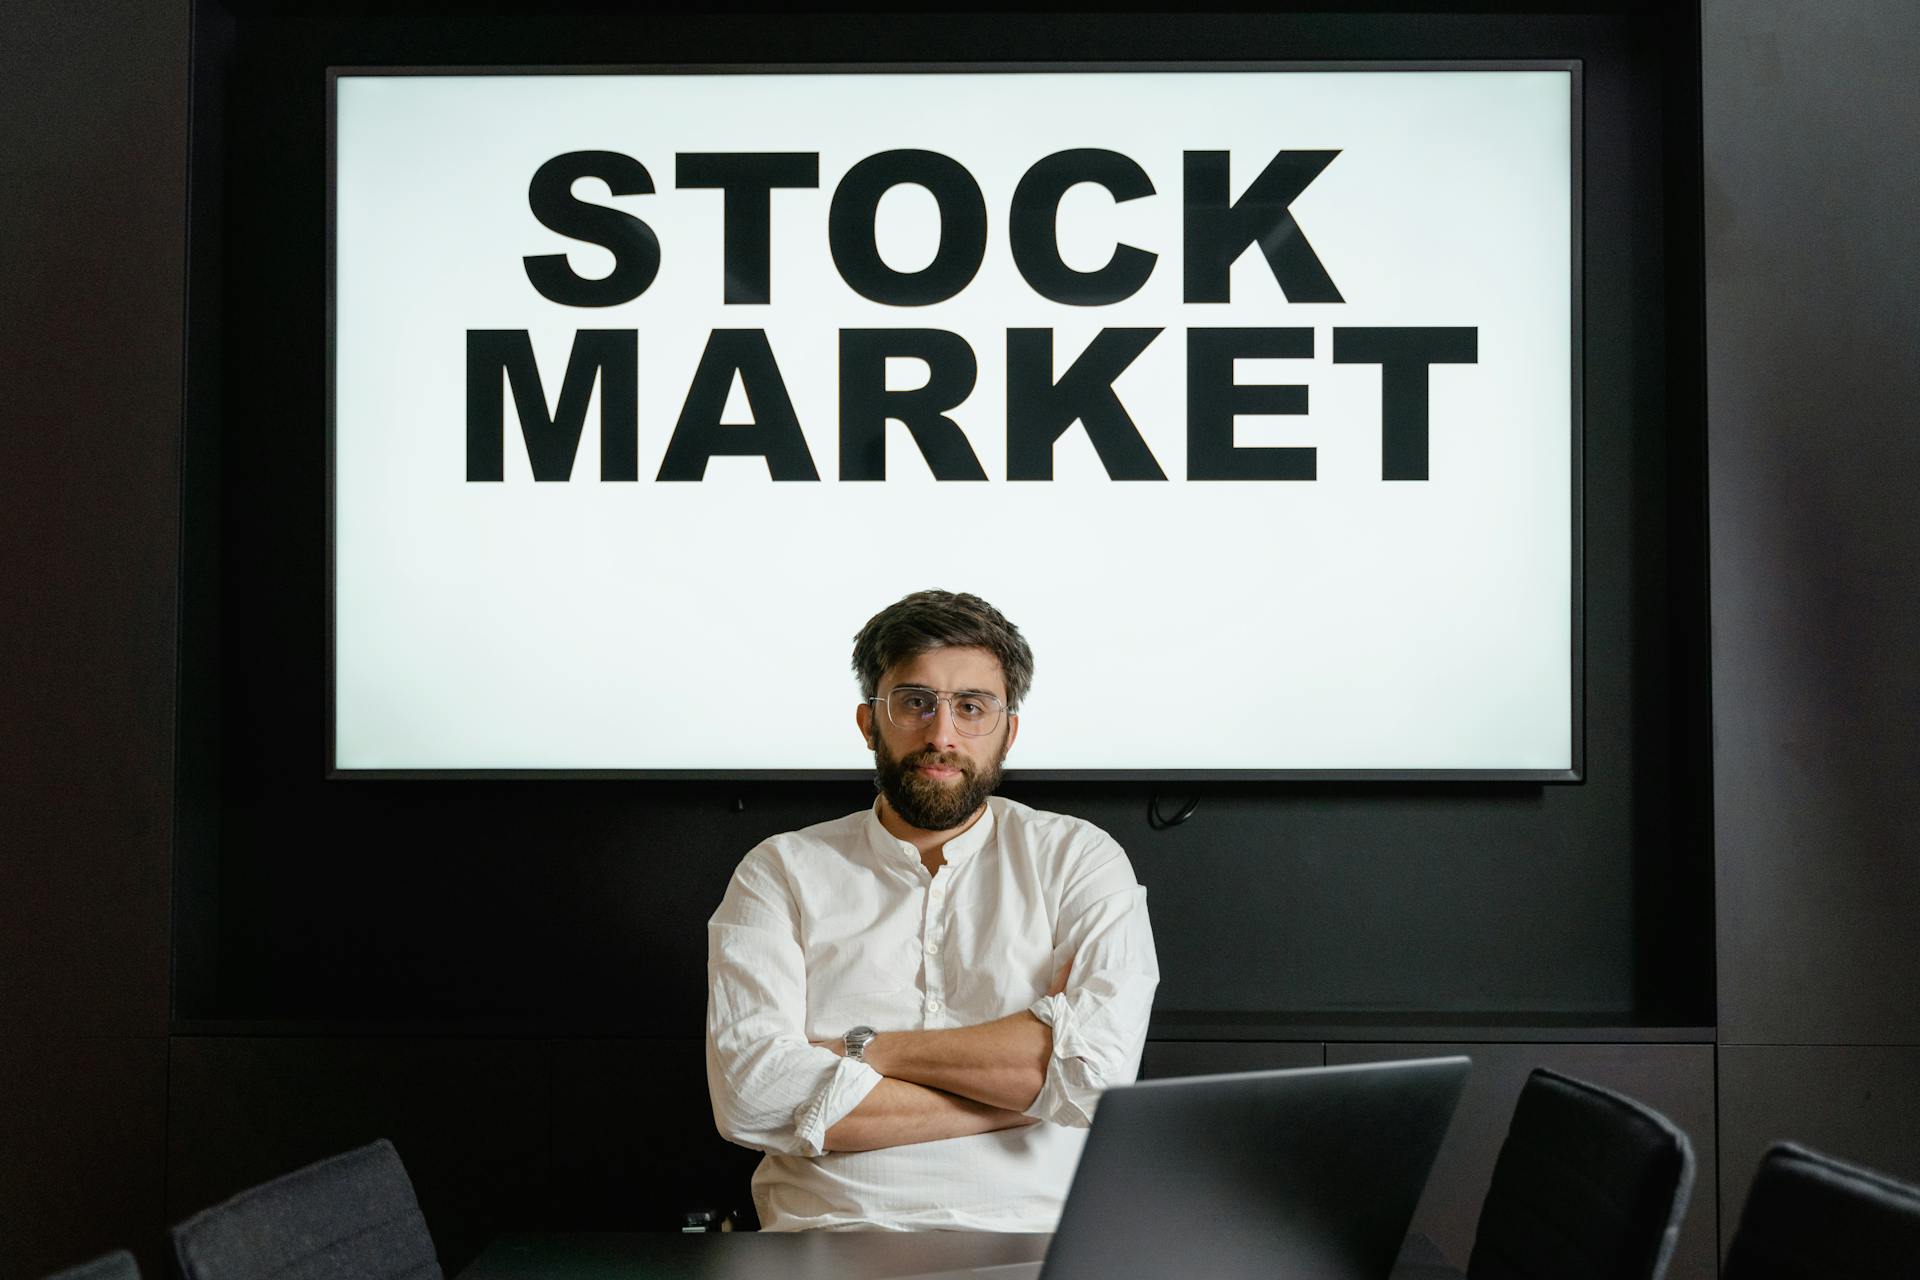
(1166, 1059)
(866, 1255)
(1855, 1102)
(92, 197)
(469, 1118)
(579, 907)
(1676, 1080)
(83, 1124)
(1816, 552)
(1466, 1027)
(92, 206)
(582, 900)
(839, 1255)
(634, 1143)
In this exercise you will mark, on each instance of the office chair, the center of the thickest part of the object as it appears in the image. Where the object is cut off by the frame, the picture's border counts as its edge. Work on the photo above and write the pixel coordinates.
(351, 1215)
(118, 1265)
(1810, 1217)
(1589, 1185)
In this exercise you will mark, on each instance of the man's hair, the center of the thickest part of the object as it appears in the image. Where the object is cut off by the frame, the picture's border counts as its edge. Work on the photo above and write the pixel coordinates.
(928, 620)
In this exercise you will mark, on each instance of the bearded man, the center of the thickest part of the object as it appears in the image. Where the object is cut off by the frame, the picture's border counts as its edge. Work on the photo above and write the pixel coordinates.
(913, 1010)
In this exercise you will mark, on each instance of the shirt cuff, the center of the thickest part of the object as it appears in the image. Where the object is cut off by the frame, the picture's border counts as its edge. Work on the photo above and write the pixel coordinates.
(846, 1089)
(1070, 1092)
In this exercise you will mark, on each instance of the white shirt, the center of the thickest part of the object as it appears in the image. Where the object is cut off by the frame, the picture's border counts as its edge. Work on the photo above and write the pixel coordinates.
(840, 925)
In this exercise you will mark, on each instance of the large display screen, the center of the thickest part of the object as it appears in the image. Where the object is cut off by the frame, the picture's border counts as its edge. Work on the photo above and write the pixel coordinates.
(1250, 394)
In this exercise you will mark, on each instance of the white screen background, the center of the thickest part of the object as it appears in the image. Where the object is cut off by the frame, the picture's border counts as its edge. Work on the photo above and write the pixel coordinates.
(1347, 623)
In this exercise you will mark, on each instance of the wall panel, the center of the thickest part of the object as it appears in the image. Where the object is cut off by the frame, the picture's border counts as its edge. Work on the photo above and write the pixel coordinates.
(1856, 1103)
(470, 1119)
(1167, 1058)
(583, 902)
(1810, 123)
(93, 202)
(83, 1123)
(634, 1144)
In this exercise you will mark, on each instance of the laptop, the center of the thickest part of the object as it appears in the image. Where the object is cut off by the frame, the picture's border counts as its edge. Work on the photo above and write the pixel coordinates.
(1269, 1174)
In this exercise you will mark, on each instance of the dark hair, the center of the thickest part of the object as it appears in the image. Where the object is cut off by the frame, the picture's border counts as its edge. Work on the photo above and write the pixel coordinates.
(928, 620)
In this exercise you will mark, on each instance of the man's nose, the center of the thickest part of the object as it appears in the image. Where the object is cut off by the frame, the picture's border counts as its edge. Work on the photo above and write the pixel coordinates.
(942, 731)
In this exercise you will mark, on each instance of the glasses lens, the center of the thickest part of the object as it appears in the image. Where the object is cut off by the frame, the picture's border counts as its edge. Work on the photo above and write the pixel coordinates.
(909, 707)
(974, 714)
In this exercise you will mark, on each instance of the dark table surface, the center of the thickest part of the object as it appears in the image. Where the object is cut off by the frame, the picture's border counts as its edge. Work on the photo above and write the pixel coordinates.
(803, 1255)
(747, 1255)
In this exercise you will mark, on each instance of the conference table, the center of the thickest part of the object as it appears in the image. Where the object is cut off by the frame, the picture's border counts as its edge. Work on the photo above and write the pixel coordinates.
(747, 1255)
(803, 1255)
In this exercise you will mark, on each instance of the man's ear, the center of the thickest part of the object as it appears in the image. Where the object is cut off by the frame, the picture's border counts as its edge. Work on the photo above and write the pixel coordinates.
(863, 717)
(1013, 731)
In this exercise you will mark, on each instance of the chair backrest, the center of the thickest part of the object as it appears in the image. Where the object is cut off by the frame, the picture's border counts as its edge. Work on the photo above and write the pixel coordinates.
(1589, 1185)
(118, 1265)
(1809, 1217)
(353, 1215)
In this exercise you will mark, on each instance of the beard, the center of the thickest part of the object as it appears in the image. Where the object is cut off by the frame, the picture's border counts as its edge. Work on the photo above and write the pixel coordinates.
(926, 803)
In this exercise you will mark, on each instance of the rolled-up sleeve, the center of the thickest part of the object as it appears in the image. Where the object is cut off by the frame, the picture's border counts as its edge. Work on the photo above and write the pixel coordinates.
(771, 1089)
(1100, 1021)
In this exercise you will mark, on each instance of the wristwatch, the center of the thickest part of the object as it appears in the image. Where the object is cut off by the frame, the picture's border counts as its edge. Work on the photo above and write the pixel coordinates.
(856, 1041)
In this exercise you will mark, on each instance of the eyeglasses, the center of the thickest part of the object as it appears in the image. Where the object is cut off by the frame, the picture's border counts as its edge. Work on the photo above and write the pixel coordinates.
(974, 714)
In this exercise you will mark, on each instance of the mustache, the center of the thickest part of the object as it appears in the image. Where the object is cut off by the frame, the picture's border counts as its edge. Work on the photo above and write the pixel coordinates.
(946, 759)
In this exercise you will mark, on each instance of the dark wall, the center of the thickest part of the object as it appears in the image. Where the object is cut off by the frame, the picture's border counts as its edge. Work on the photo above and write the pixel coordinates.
(92, 203)
(580, 905)
(1810, 127)
(442, 910)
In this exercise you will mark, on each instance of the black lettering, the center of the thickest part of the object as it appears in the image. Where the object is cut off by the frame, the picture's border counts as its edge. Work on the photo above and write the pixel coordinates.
(609, 355)
(1218, 232)
(747, 179)
(1039, 410)
(1214, 400)
(866, 405)
(636, 250)
(1404, 356)
(1033, 228)
(774, 432)
(963, 228)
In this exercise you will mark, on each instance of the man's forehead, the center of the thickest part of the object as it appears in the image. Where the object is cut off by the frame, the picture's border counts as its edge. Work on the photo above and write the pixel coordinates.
(950, 667)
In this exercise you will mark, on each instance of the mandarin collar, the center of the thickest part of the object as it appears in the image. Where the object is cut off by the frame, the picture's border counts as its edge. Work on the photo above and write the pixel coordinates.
(957, 851)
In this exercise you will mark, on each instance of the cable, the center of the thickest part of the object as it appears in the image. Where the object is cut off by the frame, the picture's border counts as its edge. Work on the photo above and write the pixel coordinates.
(1159, 821)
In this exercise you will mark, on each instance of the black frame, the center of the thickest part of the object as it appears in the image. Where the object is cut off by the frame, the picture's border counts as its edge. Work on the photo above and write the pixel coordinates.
(1576, 771)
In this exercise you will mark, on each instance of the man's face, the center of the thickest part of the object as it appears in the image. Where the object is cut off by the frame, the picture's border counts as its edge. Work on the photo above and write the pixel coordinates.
(933, 776)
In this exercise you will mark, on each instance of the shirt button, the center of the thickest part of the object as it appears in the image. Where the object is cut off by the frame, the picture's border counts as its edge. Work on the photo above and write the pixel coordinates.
(933, 1006)
(933, 948)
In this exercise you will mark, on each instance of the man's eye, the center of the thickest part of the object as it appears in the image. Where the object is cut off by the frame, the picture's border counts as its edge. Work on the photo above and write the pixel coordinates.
(916, 702)
(970, 708)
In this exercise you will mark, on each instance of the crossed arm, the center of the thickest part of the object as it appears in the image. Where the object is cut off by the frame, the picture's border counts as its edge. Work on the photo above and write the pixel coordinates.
(949, 1083)
(899, 1112)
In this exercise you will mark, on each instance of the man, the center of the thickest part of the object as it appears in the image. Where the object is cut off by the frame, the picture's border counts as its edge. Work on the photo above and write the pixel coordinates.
(913, 1010)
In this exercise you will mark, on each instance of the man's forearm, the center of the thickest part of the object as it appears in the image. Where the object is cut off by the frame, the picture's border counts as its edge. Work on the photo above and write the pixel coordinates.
(897, 1113)
(1002, 1063)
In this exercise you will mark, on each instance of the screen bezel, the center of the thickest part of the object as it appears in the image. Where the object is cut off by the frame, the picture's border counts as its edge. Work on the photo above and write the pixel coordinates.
(1574, 773)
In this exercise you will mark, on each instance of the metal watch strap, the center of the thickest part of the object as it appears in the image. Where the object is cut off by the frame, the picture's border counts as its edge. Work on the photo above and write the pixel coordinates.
(856, 1041)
